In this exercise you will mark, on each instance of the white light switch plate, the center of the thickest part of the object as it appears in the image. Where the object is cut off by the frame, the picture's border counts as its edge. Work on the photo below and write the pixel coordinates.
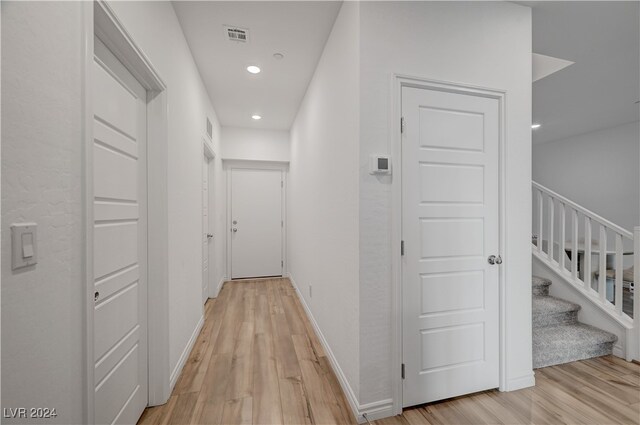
(24, 245)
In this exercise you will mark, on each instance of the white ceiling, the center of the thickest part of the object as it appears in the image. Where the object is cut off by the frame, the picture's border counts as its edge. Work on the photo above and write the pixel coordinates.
(298, 30)
(596, 92)
(599, 90)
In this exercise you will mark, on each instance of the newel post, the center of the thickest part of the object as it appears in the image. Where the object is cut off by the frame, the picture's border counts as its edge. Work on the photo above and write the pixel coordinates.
(635, 347)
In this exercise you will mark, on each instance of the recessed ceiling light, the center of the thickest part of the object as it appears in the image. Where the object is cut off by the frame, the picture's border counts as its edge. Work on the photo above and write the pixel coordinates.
(253, 69)
(256, 117)
(278, 56)
(535, 126)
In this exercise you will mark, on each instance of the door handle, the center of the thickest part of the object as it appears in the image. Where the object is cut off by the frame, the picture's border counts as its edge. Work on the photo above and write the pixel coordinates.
(209, 235)
(234, 230)
(494, 259)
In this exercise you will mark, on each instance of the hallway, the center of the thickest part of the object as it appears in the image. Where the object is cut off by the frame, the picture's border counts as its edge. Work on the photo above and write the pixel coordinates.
(256, 360)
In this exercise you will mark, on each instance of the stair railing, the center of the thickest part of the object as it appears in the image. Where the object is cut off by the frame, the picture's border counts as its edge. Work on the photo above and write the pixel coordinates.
(568, 237)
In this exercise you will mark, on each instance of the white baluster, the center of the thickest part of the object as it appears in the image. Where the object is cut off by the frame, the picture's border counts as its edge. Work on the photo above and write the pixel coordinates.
(618, 273)
(551, 222)
(574, 245)
(602, 282)
(586, 266)
(540, 219)
(561, 251)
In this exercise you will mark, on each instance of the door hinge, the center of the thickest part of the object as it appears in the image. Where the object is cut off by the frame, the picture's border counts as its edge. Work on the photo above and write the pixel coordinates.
(402, 371)
(281, 183)
(281, 263)
(401, 247)
(281, 223)
(401, 124)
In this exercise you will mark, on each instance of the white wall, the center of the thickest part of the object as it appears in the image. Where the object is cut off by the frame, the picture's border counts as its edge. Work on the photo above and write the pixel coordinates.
(155, 28)
(598, 170)
(42, 306)
(323, 193)
(485, 44)
(255, 144)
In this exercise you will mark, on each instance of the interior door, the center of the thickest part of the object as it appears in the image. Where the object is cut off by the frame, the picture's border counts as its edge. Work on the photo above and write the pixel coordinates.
(256, 223)
(119, 245)
(450, 226)
(206, 236)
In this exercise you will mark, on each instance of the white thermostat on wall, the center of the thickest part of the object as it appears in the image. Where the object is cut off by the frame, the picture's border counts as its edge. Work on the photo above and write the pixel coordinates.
(380, 164)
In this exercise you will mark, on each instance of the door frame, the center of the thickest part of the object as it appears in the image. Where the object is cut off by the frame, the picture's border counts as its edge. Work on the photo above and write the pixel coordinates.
(398, 81)
(233, 164)
(99, 19)
(210, 154)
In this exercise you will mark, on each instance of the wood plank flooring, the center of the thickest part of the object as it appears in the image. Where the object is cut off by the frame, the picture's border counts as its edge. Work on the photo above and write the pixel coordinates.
(257, 360)
(601, 391)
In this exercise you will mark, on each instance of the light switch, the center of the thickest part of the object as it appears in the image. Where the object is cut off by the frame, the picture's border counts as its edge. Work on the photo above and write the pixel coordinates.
(24, 245)
(27, 245)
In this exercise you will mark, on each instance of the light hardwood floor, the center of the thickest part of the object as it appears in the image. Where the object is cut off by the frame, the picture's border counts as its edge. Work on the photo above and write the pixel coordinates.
(257, 361)
(599, 391)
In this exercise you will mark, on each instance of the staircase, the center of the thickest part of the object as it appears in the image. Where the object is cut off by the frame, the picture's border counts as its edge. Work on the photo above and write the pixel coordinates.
(558, 337)
(588, 256)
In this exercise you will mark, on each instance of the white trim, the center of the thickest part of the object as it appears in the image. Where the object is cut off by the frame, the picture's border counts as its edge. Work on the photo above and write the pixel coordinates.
(158, 249)
(618, 351)
(397, 82)
(207, 144)
(376, 410)
(115, 36)
(175, 373)
(395, 148)
(283, 208)
(100, 20)
(87, 216)
(220, 285)
(255, 164)
(206, 169)
(520, 382)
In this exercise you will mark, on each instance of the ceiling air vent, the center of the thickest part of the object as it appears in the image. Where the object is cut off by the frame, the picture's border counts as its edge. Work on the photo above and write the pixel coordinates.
(237, 33)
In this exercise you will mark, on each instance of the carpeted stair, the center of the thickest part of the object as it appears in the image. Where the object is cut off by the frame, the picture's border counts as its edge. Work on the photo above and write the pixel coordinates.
(558, 337)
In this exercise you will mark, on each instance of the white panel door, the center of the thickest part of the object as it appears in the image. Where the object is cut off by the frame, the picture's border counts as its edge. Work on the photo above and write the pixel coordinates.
(256, 223)
(205, 229)
(120, 238)
(450, 226)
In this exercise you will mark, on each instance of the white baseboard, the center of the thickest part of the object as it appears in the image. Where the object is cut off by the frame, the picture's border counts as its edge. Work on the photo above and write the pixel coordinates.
(351, 397)
(618, 351)
(175, 374)
(376, 410)
(520, 382)
(222, 281)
